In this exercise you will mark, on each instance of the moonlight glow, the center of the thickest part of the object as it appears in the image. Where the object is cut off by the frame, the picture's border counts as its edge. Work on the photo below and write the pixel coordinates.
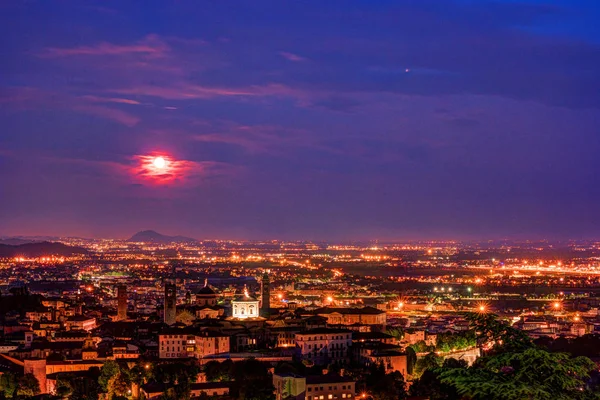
(161, 168)
(159, 162)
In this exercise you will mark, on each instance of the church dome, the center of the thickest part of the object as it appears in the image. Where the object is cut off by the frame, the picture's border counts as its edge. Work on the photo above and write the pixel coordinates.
(206, 290)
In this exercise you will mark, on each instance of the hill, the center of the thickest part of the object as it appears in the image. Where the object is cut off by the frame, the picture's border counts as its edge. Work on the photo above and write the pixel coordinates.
(155, 237)
(15, 241)
(39, 249)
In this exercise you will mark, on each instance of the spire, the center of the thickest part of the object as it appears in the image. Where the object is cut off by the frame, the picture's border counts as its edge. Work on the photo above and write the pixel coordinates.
(205, 282)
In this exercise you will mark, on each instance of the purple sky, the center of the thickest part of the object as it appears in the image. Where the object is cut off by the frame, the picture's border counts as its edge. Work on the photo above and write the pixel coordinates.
(301, 119)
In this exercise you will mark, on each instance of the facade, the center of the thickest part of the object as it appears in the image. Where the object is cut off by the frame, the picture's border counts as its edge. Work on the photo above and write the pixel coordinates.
(121, 302)
(170, 313)
(81, 323)
(323, 346)
(185, 343)
(289, 386)
(37, 368)
(329, 387)
(326, 387)
(156, 391)
(245, 307)
(351, 316)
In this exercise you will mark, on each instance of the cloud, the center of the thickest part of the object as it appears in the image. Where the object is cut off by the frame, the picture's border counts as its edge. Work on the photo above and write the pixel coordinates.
(110, 100)
(28, 98)
(291, 56)
(151, 45)
(175, 171)
(109, 113)
(182, 91)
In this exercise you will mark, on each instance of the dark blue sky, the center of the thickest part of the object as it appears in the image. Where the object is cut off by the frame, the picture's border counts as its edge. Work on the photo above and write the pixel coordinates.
(301, 119)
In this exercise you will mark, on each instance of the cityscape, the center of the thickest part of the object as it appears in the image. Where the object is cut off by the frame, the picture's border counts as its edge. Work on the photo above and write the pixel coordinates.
(156, 316)
(300, 200)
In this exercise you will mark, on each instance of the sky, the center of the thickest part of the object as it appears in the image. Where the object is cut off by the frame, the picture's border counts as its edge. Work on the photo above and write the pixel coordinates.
(313, 120)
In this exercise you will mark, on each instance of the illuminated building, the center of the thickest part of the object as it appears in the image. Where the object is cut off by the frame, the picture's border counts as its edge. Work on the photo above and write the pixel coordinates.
(323, 346)
(245, 307)
(80, 322)
(351, 316)
(184, 343)
(323, 387)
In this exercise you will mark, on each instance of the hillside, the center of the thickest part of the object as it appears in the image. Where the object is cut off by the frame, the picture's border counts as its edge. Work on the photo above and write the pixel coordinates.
(150, 236)
(39, 249)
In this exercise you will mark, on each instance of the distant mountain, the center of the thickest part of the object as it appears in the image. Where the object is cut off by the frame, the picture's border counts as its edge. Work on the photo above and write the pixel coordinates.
(155, 237)
(15, 241)
(40, 249)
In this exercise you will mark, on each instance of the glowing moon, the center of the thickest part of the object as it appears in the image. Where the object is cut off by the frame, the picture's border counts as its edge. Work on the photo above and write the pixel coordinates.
(159, 162)
(162, 168)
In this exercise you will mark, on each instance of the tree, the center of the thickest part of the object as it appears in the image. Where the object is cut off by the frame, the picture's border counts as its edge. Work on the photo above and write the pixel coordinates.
(530, 374)
(390, 387)
(85, 388)
(64, 388)
(421, 347)
(396, 332)
(411, 360)
(429, 385)
(177, 378)
(430, 361)
(117, 386)
(108, 371)
(28, 386)
(252, 381)
(8, 385)
(497, 335)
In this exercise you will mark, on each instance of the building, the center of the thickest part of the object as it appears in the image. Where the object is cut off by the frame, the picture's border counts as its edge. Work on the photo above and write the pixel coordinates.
(329, 387)
(351, 316)
(245, 307)
(121, 302)
(323, 346)
(187, 342)
(156, 391)
(80, 323)
(325, 387)
(289, 386)
(37, 368)
(206, 296)
(170, 313)
(265, 294)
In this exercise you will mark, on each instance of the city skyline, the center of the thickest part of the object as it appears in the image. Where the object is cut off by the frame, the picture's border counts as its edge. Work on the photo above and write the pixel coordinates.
(331, 121)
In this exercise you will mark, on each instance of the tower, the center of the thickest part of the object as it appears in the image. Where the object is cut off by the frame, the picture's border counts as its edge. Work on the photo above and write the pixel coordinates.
(265, 291)
(171, 298)
(37, 367)
(170, 302)
(121, 302)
